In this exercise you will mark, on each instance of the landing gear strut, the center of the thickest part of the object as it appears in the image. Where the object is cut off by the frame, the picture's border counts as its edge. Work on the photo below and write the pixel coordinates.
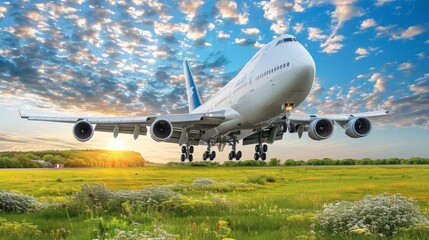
(187, 151)
(209, 155)
(233, 154)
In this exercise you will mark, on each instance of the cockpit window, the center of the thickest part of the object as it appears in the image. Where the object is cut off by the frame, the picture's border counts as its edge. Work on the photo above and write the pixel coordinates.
(287, 40)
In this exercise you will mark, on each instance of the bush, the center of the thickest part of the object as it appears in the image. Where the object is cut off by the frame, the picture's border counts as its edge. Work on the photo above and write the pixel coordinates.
(257, 179)
(381, 215)
(202, 182)
(17, 203)
(274, 162)
(14, 230)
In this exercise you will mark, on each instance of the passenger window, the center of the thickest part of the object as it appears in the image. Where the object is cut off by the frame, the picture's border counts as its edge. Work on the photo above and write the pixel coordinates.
(288, 64)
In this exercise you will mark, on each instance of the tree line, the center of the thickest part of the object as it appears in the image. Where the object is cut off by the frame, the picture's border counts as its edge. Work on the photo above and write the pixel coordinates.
(71, 158)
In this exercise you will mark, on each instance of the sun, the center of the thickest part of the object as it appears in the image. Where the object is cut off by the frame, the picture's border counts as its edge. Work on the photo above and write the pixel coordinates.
(117, 144)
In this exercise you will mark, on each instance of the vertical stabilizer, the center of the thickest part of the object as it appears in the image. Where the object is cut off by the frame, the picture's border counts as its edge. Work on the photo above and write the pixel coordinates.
(194, 99)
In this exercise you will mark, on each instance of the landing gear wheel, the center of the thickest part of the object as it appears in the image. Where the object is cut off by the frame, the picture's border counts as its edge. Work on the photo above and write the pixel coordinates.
(230, 156)
(213, 155)
(183, 149)
(257, 148)
(206, 155)
(263, 156)
(182, 157)
(256, 156)
(190, 157)
(265, 148)
(238, 155)
(191, 149)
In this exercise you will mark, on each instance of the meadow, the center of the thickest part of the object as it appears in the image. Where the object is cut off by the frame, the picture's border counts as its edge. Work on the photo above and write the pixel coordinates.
(214, 202)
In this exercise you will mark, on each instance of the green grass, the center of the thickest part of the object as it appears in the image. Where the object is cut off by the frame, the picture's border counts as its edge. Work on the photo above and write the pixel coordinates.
(260, 212)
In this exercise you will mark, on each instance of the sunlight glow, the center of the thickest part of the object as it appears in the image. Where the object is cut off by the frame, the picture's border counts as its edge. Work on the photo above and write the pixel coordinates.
(117, 144)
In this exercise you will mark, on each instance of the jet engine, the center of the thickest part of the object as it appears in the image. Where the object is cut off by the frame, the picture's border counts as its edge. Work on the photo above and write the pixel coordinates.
(358, 127)
(161, 130)
(83, 131)
(320, 129)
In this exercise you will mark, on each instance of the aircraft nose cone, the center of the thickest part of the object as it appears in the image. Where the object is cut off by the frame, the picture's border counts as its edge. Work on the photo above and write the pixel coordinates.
(304, 66)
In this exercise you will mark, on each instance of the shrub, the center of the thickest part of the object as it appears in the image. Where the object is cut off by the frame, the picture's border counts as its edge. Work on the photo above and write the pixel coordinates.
(270, 179)
(381, 215)
(23, 230)
(202, 182)
(274, 162)
(257, 179)
(17, 203)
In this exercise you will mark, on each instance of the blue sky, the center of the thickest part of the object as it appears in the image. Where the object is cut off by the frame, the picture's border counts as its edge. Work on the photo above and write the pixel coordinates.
(124, 58)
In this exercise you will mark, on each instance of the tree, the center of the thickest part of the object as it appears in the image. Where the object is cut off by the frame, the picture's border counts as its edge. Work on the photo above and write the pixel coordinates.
(274, 162)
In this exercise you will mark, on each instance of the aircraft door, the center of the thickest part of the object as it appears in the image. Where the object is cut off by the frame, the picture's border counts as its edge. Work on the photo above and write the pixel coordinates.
(251, 82)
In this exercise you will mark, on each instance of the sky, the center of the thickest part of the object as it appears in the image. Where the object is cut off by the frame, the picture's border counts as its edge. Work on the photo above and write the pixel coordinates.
(124, 58)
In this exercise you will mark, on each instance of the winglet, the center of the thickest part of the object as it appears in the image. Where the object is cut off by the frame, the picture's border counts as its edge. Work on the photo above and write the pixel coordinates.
(21, 115)
(194, 100)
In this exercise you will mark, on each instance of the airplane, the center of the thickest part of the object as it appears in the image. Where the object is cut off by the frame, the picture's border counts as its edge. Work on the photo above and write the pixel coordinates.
(255, 107)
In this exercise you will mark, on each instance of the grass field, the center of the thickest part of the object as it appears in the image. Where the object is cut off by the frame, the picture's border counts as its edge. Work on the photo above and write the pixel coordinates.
(280, 209)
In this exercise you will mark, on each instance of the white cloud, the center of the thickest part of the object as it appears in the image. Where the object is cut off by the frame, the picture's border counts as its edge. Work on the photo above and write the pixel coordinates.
(380, 3)
(344, 11)
(280, 26)
(405, 66)
(275, 11)
(421, 55)
(228, 10)
(362, 53)
(190, 7)
(250, 31)
(298, 27)
(315, 34)
(384, 31)
(2, 10)
(162, 28)
(222, 34)
(367, 23)
(240, 40)
(410, 32)
(258, 44)
(332, 44)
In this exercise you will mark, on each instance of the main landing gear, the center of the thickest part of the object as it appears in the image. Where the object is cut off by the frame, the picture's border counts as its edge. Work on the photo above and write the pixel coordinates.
(233, 154)
(261, 151)
(209, 155)
(187, 151)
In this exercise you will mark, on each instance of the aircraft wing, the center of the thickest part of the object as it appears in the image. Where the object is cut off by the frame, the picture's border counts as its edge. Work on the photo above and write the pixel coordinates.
(192, 123)
(343, 117)
(301, 122)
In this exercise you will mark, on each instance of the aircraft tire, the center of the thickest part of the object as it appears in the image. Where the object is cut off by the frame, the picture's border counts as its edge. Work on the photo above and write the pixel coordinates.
(238, 155)
(263, 156)
(265, 148)
(182, 157)
(183, 149)
(191, 149)
(256, 156)
(190, 157)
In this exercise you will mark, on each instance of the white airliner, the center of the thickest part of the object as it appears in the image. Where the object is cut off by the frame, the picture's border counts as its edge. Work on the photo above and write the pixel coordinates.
(256, 107)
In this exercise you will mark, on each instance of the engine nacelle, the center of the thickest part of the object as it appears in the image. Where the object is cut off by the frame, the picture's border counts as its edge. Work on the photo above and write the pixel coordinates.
(358, 127)
(161, 130)
(83, 131)
(320, 129)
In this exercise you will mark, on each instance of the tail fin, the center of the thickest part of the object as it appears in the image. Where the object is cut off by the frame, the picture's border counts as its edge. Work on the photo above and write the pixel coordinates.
(194, 100)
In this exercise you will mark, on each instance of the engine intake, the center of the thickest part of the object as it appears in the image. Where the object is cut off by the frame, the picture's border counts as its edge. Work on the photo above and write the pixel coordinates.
(358, 127)
(320, 129)
(161, 130)
(83, 131)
